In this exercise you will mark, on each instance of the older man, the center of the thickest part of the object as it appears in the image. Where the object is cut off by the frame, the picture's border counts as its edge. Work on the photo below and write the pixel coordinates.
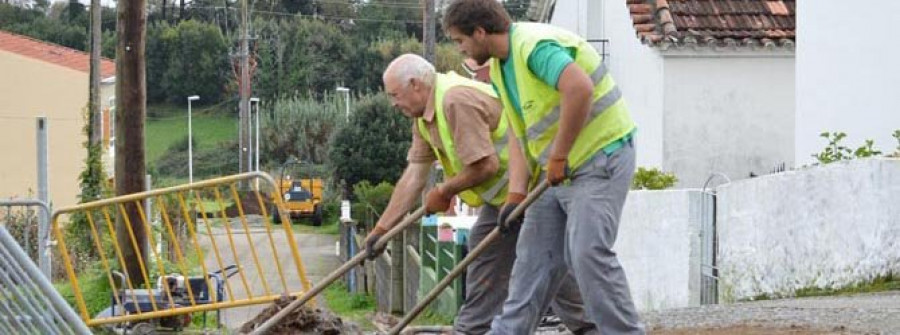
(459, 122)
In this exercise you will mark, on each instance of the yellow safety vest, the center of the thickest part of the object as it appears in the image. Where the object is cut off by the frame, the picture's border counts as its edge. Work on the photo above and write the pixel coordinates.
(492, 191)
(608, 120)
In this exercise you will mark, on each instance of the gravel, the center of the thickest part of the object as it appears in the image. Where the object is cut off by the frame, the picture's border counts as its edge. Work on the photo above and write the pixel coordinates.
(877, 313)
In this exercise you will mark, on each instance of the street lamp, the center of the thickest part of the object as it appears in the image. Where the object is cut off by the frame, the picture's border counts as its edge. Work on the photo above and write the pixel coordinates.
(191, 140)
(346, 91)
(256, 144)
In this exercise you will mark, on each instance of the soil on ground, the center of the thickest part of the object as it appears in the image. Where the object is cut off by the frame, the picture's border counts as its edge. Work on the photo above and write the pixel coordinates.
(302, 321)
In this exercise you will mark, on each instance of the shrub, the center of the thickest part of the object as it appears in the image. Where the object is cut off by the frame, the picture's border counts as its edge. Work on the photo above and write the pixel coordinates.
(652, 179)
(373, 145)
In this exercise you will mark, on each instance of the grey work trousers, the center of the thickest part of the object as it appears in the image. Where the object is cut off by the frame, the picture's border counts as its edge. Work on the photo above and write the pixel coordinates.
(574, 227)
(487, 281)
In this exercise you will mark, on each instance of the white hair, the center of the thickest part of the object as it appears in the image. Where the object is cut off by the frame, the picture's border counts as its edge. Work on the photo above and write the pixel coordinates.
(408, 66)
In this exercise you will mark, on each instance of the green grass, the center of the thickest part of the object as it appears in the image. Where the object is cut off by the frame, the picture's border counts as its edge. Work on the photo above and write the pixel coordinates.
(427, 318)
(888, 282)
(879, 284)
(209, 128)
(356, 308)
(304, 226)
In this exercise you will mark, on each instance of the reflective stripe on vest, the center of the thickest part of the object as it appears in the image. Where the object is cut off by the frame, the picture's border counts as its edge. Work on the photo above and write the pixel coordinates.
(492, 191)
(536, 127)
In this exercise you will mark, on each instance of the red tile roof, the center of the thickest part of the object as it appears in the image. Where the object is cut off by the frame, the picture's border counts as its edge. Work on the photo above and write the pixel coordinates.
(53, 53)
(715, 22)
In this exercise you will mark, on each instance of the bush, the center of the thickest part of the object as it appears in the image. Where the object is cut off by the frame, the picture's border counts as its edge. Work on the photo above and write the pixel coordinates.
(652, 179)
(220, 160)
(300, 127)
(373, 145)
(371, 200)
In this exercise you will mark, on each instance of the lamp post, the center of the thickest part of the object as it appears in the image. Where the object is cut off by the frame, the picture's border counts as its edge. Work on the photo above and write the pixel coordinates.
(191, 140)
(346, 92)
(256, 140)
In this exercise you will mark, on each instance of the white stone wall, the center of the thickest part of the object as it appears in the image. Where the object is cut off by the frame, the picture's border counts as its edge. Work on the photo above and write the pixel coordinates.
(727, 111)
(847, 74)
(826, 226)
(658, 245)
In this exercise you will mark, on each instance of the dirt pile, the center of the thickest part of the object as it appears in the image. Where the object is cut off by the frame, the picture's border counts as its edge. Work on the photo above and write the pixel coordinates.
(250, 205)
(301, 321)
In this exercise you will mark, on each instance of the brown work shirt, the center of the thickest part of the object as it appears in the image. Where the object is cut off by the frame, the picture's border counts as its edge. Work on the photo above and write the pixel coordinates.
(471, 116)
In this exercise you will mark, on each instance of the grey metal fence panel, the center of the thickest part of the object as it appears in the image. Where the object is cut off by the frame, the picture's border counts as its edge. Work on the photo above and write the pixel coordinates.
(709, 272)
(43, 230)
(28, 302)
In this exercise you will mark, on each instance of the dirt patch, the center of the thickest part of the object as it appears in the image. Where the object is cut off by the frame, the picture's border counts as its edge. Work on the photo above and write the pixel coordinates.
(301, 321)
(751, 330)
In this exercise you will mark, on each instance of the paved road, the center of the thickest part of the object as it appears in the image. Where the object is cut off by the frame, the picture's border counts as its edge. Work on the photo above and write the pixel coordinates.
(877, 313)
(317, 253)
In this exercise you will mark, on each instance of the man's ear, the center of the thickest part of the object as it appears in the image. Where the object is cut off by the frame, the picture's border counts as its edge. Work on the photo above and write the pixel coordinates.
(414, 83)
(479, 33)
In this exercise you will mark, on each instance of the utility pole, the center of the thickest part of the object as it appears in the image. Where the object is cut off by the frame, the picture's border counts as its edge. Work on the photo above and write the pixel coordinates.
(94, 104)
(244, 164)
(131, 109)
(428, 25)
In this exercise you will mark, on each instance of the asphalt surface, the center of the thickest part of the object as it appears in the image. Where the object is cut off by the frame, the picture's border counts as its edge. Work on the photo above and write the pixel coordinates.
(317, 253)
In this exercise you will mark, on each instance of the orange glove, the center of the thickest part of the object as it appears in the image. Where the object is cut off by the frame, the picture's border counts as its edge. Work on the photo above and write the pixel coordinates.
(557, 170)
(437, 201)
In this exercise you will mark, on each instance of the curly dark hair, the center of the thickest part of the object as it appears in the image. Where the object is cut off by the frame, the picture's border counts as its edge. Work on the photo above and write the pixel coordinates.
(466, 15)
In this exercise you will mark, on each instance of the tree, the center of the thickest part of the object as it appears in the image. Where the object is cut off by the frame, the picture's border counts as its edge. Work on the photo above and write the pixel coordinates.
(373, 146)
(196, 62)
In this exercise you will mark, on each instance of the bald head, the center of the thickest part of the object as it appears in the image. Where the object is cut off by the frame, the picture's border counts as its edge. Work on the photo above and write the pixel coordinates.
(407, 67)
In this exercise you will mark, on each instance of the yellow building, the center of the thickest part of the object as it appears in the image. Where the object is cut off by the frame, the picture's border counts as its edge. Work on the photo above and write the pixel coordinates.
(43, 79)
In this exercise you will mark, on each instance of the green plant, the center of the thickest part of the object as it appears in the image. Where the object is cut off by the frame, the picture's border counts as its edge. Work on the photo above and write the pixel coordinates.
(352, 306)
(370, 200)
(896, 136)
(652, 179)
(834, 151)
(866, 150)
(95, 289)
(301, 127)
(373, 145)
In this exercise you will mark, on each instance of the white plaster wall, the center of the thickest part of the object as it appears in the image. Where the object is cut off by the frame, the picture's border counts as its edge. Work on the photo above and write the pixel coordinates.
(658, 246)
(638, 70)
(571, 15)
(847, 74)
(825, 226)
(727, 113)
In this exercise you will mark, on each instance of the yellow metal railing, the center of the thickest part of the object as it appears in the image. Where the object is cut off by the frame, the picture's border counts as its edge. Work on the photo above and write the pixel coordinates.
(195, 247)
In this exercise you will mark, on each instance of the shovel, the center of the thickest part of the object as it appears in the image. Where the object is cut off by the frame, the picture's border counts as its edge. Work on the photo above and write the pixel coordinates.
(458, 270)
(356, 260)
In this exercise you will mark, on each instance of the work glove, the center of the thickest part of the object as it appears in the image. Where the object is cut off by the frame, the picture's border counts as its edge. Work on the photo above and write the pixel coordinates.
(557, 170)
(437, 201)
(512, 201)
(371, 239)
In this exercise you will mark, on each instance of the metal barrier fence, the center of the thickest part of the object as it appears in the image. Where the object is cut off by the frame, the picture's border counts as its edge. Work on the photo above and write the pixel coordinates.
(43, 219)
(203, 249)
(28, 302)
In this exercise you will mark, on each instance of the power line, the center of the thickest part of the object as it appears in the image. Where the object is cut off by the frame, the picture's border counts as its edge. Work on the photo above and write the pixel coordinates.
(332, 17)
